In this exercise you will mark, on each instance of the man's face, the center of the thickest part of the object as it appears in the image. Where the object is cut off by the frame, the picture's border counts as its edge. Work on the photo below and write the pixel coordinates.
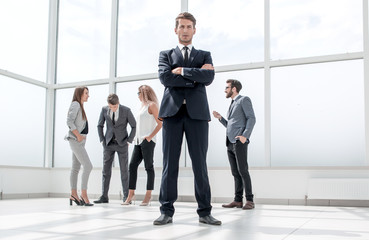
(113, 107)
(228, 90)
(185, 31)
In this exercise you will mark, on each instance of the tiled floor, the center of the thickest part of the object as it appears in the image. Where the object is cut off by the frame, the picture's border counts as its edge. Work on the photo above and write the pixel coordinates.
(53, 218)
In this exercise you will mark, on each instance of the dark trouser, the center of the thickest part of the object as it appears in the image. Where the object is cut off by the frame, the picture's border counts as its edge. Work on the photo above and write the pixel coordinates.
(143, 151)
(109, 152)
(197, 139)
(237, 156)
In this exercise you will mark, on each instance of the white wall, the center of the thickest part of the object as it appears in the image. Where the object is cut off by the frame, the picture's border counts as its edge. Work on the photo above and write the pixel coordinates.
(273, 185)
(23, 182)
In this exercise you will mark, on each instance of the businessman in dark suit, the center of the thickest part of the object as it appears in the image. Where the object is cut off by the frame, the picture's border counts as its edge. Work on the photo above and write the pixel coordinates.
(185, 71)
(115, 140)
(241, 121)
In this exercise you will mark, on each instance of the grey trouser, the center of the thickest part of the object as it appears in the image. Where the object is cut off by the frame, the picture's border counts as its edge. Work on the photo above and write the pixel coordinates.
(80, 157)
(109, 152)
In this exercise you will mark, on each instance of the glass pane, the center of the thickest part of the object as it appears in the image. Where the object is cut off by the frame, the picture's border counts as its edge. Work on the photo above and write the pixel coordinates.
(312, 27)
(317, 115)
(23, 123)
(253, 87)
(145, 28)
(233, 30)
(127, 93)
(62, 152)
(23, 41)
(84, 40)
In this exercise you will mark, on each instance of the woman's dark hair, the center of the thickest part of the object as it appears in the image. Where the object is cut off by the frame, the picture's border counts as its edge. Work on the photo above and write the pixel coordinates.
(78, 92)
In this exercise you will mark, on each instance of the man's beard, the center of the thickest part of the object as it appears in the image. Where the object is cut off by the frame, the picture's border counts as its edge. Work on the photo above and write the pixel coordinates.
(229, 94)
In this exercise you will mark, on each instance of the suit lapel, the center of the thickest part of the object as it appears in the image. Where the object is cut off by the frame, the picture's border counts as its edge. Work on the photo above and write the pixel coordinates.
(179, 55)
(231, 109)
(120, 117)
(191, 58)
(193, 54)
(233, 105)
(108, 115)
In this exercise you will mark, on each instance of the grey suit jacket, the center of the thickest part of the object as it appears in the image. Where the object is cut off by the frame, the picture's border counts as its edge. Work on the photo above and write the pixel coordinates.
(241, 119)
(120, 127)
(74, 120)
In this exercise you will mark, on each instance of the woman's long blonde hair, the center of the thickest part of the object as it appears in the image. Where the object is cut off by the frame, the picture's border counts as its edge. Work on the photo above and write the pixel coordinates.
(148, 94)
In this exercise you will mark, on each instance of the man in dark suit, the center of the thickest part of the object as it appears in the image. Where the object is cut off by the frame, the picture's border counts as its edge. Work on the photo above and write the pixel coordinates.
(241, 121)
(185, 71)
(115, 140)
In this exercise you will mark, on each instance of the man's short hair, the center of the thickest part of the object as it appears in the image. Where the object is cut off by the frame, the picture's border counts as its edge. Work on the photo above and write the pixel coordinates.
(113, 99)
(235, 83)
(186, 15)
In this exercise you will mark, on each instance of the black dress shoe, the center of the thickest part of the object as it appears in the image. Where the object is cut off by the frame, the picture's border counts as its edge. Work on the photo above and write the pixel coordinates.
(210, 220)
(163, 219)
(102, 200)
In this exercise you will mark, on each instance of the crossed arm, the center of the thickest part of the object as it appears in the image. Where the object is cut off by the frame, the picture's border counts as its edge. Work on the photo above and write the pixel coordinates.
(173, 77)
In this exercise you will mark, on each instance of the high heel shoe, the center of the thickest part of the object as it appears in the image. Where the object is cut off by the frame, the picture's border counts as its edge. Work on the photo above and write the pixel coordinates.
(146, 203)
(129, 202)
(73, 199)
(85, 203)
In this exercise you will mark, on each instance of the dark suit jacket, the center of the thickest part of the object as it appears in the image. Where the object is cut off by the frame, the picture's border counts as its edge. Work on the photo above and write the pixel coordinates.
(191, 86)
(120, 127)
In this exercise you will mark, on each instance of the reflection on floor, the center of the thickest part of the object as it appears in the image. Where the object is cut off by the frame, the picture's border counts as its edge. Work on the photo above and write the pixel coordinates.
(53, 218)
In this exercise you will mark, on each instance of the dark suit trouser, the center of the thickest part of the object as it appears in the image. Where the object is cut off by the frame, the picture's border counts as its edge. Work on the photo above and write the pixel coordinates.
(237, 156)
(109, 152)
(143, 151)
(197, 139)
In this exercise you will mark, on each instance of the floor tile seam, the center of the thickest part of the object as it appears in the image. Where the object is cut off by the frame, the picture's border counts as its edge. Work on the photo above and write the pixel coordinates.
(306, 222)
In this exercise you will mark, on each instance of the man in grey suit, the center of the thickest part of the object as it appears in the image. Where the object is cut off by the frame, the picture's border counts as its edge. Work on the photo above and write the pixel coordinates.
(116, 139)
(241, 121)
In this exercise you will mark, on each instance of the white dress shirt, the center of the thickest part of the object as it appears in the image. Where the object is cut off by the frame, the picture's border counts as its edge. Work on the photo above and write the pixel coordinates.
(116, 114)
(181, 47)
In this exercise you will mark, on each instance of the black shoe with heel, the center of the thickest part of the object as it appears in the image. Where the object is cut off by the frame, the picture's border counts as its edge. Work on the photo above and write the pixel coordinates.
(73, 199)
(84, 203)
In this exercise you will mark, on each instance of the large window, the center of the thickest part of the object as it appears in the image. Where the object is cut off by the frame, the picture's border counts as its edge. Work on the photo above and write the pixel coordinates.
(232, 30)
(23, 41)
(253, 87)
(145, 28)
(84, 40)
(307, 28)
(23, 123)
(311, 114)
(62, 152)
(317, 115)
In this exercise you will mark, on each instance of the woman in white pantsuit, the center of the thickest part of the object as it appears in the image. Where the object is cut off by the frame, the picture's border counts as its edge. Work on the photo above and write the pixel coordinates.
(78, 130)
